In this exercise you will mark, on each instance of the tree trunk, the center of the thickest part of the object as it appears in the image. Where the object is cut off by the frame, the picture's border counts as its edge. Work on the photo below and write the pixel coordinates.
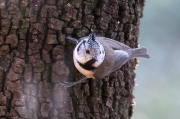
(34, 55)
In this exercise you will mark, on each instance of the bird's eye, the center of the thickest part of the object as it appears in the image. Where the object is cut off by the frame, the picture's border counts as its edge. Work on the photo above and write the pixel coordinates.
(87, 51)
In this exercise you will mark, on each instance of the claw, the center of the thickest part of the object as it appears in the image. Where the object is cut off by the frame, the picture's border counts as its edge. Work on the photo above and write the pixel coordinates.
(70, 84)
(72, 39)
(67, 84)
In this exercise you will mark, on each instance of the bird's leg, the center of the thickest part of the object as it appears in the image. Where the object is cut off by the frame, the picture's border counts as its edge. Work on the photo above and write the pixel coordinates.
(75, 41)
(70, 84)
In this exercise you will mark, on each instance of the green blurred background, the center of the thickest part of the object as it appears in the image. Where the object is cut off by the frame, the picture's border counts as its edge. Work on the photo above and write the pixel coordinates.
(157, 94)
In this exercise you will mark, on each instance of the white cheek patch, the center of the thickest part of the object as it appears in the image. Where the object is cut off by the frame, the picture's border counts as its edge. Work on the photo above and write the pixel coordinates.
(103, 52)
(95, 50)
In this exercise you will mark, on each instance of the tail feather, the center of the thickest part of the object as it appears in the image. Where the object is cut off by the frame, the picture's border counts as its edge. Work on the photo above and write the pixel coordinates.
(140, 52)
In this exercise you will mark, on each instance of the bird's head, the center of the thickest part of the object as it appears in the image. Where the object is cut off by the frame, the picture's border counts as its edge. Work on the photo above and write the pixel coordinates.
(89, 53)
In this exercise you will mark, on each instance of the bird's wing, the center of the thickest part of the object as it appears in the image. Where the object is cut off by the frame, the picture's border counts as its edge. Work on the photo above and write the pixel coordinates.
(105, 68)
(116, 55)
(114, 59)
(115, 45)
(120, 58)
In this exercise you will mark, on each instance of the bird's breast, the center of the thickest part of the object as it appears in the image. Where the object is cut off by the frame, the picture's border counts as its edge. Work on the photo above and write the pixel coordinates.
(82, 70)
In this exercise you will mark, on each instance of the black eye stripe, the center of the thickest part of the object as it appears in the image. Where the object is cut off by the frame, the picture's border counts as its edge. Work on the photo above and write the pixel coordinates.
(87, 51)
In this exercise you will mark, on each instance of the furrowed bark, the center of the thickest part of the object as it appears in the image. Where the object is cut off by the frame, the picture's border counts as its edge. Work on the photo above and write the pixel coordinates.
(35, 54)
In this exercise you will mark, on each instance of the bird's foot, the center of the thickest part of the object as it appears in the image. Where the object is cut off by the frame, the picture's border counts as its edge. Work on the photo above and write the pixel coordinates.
(70, 84)
(75, 41)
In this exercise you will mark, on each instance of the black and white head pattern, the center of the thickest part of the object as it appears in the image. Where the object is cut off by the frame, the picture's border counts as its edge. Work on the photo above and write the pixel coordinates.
(89, 53)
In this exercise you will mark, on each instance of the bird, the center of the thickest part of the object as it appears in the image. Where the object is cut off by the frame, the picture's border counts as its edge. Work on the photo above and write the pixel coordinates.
(96, 57)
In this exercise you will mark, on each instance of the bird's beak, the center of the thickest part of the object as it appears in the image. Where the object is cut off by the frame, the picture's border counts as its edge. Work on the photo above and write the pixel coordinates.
(95, 57)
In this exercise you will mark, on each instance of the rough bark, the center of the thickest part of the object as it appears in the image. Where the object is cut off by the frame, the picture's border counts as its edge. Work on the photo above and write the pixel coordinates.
(34, 55)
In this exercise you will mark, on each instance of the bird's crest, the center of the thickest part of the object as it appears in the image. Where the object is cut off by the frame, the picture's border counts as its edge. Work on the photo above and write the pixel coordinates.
(92, 36)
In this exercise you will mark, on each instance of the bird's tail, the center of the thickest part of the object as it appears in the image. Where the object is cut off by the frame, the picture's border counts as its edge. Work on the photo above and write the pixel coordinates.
(140, 52)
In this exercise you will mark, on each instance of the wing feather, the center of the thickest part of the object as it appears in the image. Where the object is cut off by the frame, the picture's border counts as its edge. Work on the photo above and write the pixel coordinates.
(120, 58)
(105, 68)
(115, 45)
(115, 56)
